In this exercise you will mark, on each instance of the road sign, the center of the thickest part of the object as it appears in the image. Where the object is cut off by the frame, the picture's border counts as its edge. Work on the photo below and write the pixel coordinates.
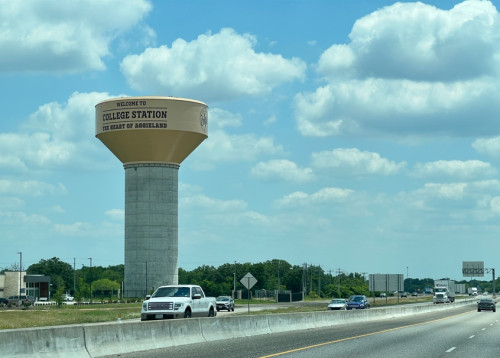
(248, 281)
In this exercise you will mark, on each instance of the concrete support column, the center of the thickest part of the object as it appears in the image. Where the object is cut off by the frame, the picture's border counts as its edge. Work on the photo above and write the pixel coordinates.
(151, 222)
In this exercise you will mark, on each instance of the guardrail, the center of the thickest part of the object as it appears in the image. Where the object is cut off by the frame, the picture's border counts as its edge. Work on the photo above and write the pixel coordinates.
(98, 340)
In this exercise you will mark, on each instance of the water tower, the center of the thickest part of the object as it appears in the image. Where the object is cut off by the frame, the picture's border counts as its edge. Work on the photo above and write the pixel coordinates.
(151, 136)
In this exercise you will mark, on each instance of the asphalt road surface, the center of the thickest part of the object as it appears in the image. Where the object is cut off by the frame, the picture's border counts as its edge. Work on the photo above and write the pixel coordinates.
(459, 332)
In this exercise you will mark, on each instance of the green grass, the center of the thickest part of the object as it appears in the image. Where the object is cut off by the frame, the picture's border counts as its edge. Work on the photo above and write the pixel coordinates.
(41, 316)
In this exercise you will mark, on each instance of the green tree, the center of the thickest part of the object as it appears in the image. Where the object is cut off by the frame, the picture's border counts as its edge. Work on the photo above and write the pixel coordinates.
(60, 272)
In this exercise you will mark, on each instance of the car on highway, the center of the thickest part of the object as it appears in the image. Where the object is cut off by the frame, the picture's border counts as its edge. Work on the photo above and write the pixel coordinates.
(404, 294)
(383, 294)
(224, 303)
(337, 304)
(414, 294)
(358, 302)
(486, 304)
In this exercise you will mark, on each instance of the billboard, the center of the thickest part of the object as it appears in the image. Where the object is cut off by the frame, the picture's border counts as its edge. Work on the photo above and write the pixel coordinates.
(386, 282)
(473, 268)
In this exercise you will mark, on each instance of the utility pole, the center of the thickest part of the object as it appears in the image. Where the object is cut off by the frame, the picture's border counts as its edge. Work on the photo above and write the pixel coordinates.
(319, 281)
(234, 281)
(339, 271)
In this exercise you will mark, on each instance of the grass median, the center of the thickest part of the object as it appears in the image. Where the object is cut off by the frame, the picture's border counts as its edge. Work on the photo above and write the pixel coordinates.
(42, 316)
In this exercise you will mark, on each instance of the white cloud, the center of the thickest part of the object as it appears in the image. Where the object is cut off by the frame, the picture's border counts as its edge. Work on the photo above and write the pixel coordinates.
(282, 169)
(454, 168)
(410, 68)
(488, 146)
(214, 66)
(59, 36)
(30, 188)
(220, 118)
(323, 196)
(495, 204)
(215, 205)
(116, 214)
(454, 191)
(356, 162)
(56, 135)
(223, 147)
(419, 42)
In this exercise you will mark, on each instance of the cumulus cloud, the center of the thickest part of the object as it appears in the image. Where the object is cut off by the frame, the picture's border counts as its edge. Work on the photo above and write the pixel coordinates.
(410, 68)
(453, 191)
(356, 162)
(203, 201)
(222, 147)
(217, 66)
(488, 146)
(57, 134)
(282, 169)
(454, 168)
(58, 36)
(323, 196)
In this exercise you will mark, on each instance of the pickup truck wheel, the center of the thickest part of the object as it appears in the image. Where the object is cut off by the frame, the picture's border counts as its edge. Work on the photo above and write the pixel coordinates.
(187, 313)
(211, 313)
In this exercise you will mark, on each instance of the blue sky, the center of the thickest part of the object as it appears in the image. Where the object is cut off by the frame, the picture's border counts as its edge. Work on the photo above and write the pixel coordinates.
(358, 135)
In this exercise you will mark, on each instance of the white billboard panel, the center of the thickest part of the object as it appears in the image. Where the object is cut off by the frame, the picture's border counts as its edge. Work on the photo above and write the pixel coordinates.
(473, 268)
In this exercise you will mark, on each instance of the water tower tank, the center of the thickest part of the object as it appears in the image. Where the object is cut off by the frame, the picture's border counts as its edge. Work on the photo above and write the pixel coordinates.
(151, 136)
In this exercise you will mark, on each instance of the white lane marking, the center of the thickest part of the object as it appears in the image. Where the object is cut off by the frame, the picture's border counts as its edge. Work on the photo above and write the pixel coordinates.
(451, 349)
(472, 336)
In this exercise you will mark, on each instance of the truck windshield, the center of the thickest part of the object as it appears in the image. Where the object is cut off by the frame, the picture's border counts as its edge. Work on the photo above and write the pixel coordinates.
(172, 292)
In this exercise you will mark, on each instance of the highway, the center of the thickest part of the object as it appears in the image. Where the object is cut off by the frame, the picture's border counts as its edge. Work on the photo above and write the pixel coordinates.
(459, 332)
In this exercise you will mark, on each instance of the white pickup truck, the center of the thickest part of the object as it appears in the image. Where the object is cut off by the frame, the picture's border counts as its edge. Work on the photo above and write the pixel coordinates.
(177, 301)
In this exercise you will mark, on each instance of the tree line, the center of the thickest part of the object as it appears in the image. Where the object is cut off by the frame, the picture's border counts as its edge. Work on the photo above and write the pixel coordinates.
(271, 275)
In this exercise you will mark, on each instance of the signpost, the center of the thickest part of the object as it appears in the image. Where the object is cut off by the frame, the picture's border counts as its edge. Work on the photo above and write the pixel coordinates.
(248, 281)
(477, 269)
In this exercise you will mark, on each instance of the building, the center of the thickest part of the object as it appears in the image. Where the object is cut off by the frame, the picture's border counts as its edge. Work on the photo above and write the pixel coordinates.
(36, 286)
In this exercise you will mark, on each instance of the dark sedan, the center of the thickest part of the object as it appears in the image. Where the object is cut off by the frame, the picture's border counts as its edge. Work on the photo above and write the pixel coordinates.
(3, 301)
(358, 302)
(486, 304)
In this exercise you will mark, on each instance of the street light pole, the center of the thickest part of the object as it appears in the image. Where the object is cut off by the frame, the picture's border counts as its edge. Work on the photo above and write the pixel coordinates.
(90, 258)
(20, 275)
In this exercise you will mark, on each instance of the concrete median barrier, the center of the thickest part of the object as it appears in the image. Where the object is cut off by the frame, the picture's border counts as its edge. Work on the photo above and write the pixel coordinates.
(98, 340)
(63, 341)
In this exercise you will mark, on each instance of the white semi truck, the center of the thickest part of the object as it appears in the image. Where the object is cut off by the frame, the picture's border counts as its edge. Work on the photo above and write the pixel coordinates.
(472, 291)
(444, 291)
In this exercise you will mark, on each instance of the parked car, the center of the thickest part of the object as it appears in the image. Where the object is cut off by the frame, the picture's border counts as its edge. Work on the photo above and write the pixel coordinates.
(383, 294)
(414, 294)
(25, 300)
(67, 297)
(486, 304)
(3, 301)
(224, 303)
(337, 304)
(404, 294)
(358, 302)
